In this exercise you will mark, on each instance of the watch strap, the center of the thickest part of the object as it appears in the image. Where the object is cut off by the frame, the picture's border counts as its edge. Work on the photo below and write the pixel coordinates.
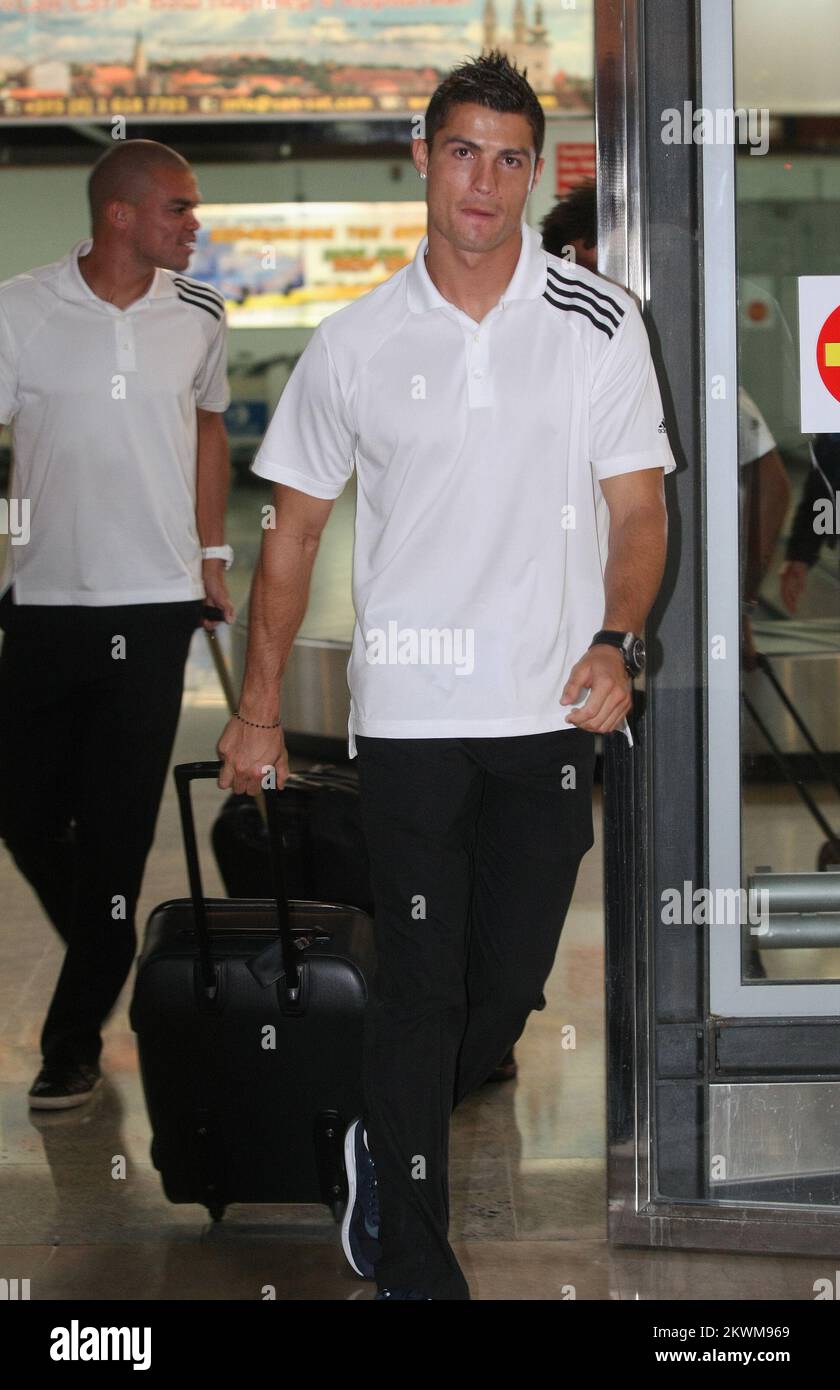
(218, 552)
(609, 637)
(624, 642)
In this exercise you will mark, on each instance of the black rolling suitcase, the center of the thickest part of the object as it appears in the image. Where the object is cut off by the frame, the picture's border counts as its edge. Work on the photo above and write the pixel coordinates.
(249, 1018)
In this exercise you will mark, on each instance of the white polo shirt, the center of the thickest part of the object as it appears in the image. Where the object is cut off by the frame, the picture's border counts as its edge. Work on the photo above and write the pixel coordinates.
(481, 528)
(754, 437)
(754, 441)
(102, 403)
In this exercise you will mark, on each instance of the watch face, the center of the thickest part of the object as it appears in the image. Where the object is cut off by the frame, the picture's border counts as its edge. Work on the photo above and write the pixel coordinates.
(637, 654)
(633, 651)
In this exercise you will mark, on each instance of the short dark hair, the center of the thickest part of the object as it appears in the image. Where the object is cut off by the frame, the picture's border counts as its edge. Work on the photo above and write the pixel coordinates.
(492, 81)
(573, 218)
(124, 172)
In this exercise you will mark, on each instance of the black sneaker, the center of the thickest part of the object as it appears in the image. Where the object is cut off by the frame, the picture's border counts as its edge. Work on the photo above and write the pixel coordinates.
(404, 1293)
(60, 1087)
(360, 1226)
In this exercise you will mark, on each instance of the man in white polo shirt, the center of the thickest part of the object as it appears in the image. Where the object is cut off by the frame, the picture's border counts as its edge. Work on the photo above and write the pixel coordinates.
(502, 414)
(113, 377)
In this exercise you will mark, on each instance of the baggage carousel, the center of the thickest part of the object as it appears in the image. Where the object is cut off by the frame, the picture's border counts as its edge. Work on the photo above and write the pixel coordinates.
(805, 658)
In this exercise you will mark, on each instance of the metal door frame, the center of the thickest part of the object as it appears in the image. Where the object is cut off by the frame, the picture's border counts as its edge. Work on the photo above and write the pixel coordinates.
(661, 1038)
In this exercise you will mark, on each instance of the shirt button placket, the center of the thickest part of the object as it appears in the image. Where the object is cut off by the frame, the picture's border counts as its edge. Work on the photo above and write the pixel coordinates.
(478, 369)
(124, 331)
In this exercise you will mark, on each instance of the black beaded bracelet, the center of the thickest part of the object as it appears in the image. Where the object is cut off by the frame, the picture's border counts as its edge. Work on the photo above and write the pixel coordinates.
(256, 726)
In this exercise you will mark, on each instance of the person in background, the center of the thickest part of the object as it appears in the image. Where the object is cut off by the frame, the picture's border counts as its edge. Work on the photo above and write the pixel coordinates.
(806, 537)
(570, 229)
(765, 494)
(113, 378)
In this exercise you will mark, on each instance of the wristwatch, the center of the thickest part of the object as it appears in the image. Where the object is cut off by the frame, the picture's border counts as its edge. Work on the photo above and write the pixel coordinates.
(218, 552)
(632, 648)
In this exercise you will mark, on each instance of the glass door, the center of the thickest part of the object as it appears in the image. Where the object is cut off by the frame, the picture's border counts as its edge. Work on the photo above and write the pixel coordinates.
(774, 713)
(719, 175)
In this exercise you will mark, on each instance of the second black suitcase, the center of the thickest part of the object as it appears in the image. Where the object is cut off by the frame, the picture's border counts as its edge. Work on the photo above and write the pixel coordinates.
(325, 851)
(249, 1022)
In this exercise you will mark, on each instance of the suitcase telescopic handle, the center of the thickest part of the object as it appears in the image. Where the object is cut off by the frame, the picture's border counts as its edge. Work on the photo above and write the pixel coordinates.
(268, 966)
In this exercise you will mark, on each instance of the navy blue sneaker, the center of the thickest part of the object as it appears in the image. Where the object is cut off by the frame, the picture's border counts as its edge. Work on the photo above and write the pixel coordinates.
(360, 1226)
(404, 1293)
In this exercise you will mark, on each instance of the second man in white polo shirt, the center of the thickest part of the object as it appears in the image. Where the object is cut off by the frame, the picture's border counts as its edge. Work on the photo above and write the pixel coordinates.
(113, 377)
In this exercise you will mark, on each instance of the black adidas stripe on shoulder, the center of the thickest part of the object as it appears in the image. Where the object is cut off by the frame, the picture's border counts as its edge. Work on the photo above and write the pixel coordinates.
(200, 304)
(562, 293)
(579, 309)
(588, 289)
(199, 288)
(201, 296)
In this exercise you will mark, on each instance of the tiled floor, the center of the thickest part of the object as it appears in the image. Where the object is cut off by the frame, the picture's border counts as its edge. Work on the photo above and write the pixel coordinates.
(528, 1166)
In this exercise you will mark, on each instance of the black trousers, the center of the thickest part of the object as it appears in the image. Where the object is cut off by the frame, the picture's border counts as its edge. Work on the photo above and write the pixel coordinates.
(475, 846)
(87, 726)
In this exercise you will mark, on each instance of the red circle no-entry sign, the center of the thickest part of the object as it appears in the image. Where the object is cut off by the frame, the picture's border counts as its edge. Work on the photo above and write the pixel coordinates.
(828, 353)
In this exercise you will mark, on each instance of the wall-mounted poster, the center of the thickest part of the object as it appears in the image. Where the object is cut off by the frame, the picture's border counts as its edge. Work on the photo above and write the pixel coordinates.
(288, 265)
(574, 164)
(250, 59)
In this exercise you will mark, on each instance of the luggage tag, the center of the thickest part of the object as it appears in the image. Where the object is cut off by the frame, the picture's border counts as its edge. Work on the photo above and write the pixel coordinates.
(268, 968)
(269, 965)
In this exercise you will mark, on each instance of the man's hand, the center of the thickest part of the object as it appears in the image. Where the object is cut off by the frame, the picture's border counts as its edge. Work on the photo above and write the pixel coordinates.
(215, 593)
(601, 669)
(248, 753)
(793, 577)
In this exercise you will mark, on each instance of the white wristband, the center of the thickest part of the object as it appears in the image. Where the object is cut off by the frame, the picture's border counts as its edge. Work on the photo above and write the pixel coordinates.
(218, 552)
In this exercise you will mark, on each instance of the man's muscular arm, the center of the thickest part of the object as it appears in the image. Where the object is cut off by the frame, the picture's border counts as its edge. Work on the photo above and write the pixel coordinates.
(633, 574)
(279, 595)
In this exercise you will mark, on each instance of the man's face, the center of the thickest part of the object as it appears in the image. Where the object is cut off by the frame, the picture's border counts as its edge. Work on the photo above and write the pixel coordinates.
(161, 223)
(478, 175)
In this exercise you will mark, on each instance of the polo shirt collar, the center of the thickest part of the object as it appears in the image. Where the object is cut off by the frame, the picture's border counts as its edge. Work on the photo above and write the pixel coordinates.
(71, 284)
(527, 282)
